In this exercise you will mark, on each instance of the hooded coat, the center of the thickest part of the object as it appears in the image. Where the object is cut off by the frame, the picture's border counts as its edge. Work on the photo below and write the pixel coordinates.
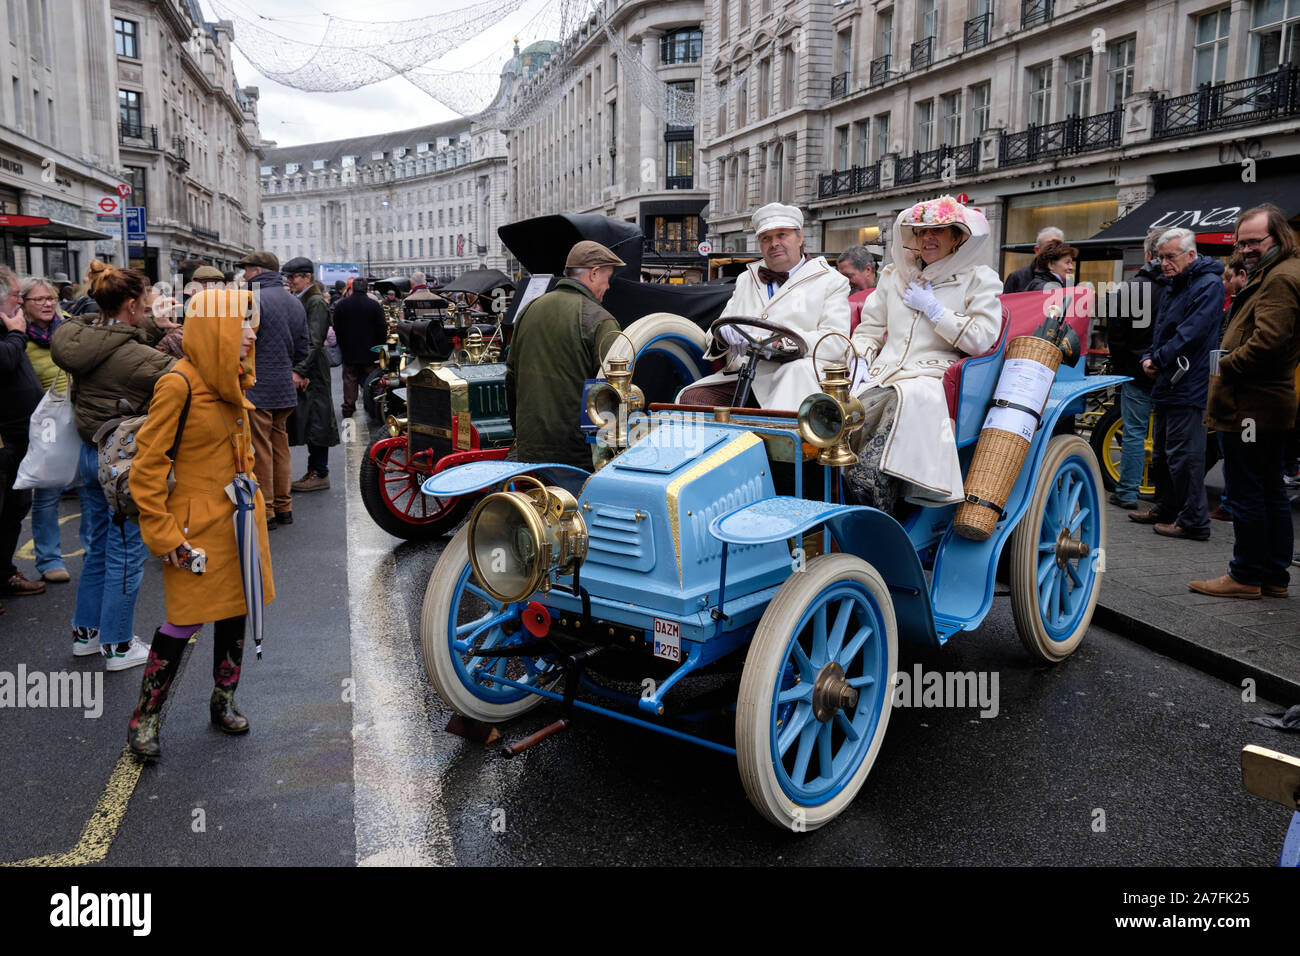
(111, 365)
(907, 352)
(215, 444)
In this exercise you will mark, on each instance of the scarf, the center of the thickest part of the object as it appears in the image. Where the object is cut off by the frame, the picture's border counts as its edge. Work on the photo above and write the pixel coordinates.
(41, 336)
(1264, 260)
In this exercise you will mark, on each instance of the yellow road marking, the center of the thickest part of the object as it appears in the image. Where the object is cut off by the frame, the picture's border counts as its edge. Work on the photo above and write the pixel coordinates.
(100, 830)
(27, 552)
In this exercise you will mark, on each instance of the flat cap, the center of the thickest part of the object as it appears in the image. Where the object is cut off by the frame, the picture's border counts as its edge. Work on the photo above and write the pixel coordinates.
(298, 264)
(776, 215)
(262, 259)
(589, 255)
(208, 274)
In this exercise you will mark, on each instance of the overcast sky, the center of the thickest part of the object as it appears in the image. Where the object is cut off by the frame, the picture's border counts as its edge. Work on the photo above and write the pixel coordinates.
(290, 116)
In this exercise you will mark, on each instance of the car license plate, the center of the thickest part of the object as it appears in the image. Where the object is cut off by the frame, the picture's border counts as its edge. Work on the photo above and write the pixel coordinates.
(668, 640)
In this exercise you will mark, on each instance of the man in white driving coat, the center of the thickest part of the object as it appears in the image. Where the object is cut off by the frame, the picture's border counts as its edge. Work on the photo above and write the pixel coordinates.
(806, 296)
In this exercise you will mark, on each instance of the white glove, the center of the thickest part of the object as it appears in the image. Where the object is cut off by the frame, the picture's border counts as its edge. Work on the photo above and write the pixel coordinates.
(732, 337)
(861, 376)
(922, 299)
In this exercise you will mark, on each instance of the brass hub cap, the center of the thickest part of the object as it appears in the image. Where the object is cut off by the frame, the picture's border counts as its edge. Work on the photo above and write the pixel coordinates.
(1067, 548)
(832, 693)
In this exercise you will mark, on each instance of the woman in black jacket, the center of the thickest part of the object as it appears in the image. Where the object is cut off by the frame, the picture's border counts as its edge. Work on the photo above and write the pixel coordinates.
(1053, 266)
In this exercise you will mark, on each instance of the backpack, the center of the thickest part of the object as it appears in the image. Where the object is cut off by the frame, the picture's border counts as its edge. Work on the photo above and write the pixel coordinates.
(117, 447)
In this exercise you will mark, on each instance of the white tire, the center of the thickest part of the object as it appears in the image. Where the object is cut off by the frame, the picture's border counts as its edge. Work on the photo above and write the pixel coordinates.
(452, 583)
(1054, 592)
(769, 748)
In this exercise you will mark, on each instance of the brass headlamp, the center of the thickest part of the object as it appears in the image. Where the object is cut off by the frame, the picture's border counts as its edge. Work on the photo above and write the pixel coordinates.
(828, 419)
(518, 538)
(612, 401)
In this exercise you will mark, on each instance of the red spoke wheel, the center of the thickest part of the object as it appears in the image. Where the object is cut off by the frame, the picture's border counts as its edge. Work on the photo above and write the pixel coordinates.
(390, 489)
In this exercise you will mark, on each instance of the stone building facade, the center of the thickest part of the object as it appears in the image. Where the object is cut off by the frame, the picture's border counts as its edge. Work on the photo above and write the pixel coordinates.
(427, 199)
(1055, 112)
(140, 92)
(597, 149)
(187, 132)
(58, 141)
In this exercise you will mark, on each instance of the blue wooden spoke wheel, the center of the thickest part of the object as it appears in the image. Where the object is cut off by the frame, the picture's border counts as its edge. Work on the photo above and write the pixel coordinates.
(1056, 551)
(457, 620)
(816, 693)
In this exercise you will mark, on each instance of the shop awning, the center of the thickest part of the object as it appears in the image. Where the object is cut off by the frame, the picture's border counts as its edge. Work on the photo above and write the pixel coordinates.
(36, 227)
(1209, 209)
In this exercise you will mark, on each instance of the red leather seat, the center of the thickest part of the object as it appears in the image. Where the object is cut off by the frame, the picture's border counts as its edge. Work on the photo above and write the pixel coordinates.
(1022, 312)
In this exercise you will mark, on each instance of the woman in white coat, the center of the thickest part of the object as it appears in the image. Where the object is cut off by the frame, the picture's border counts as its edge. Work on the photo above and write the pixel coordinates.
(934, 305)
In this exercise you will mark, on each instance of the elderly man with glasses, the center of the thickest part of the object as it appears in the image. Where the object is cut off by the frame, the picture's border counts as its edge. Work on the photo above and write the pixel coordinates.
(1187, 328)
(1252, 403)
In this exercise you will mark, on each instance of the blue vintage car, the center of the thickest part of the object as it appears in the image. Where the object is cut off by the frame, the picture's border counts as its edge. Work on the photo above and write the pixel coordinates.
(715, 536)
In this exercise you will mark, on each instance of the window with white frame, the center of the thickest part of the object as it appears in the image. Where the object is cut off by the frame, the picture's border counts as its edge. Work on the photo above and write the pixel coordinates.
(924, 140)
(1210, 54)
(927, 18)
(787, 78)
(1274, 35)
(1119, 72)
(885, 32)
(842, 147)
(1078, 84)
(980, 97)
(863, 154)
(1039, 90)
(881, 123)
(950, 117)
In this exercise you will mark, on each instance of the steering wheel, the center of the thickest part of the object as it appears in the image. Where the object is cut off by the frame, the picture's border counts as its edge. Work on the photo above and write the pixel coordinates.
(782, 345)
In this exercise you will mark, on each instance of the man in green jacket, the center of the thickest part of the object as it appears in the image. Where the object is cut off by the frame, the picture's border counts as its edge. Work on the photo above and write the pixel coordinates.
(314, 423)
(558, 343)
(1252, 404)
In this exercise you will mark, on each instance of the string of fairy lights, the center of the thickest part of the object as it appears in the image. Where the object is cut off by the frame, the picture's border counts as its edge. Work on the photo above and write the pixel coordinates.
(327, 54)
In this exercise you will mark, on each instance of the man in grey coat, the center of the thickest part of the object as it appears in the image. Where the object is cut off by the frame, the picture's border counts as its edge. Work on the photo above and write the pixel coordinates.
(281, 343)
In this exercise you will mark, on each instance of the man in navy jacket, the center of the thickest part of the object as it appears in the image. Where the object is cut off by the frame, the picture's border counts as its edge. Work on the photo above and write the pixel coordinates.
(1187, 328)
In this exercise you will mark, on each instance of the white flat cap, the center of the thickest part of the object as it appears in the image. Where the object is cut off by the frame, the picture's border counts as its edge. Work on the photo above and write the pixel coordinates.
(776, 216)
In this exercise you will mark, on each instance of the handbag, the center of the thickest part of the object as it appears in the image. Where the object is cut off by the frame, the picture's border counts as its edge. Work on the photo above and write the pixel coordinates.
(53, 446)
(332, 349)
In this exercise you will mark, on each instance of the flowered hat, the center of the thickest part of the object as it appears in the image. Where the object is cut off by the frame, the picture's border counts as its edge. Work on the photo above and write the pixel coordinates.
(934, 213)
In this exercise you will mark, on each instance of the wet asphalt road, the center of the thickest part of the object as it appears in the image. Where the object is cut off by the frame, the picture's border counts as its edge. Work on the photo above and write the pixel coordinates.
(1116, 757)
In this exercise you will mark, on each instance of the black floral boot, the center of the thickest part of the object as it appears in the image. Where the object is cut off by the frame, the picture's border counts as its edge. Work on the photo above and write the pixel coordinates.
(227, 657)
(159, 671)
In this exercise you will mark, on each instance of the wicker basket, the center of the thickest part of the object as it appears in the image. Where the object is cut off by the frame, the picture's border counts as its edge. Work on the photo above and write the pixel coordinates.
(999, 455)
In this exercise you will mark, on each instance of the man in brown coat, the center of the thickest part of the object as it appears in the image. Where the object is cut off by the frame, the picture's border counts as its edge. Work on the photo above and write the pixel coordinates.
(1252, 403)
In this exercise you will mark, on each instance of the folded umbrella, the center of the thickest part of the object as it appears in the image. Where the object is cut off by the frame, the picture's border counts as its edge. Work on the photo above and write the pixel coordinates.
(243, 491)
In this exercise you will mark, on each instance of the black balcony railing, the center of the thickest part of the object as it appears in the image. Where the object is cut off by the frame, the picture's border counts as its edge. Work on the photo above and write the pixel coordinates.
(941, 163)
(922, 53)
(846, 182)
(977, 31)
(880, 69)
(1225, 105)
(1078, 134)
(204, 233)
(178, 150)
(1035, 12)
(839, 84)
(146, 135)
(679, 182)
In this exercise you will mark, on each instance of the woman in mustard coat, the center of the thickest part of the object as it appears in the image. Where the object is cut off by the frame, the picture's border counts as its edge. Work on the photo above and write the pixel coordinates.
(215, 445)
